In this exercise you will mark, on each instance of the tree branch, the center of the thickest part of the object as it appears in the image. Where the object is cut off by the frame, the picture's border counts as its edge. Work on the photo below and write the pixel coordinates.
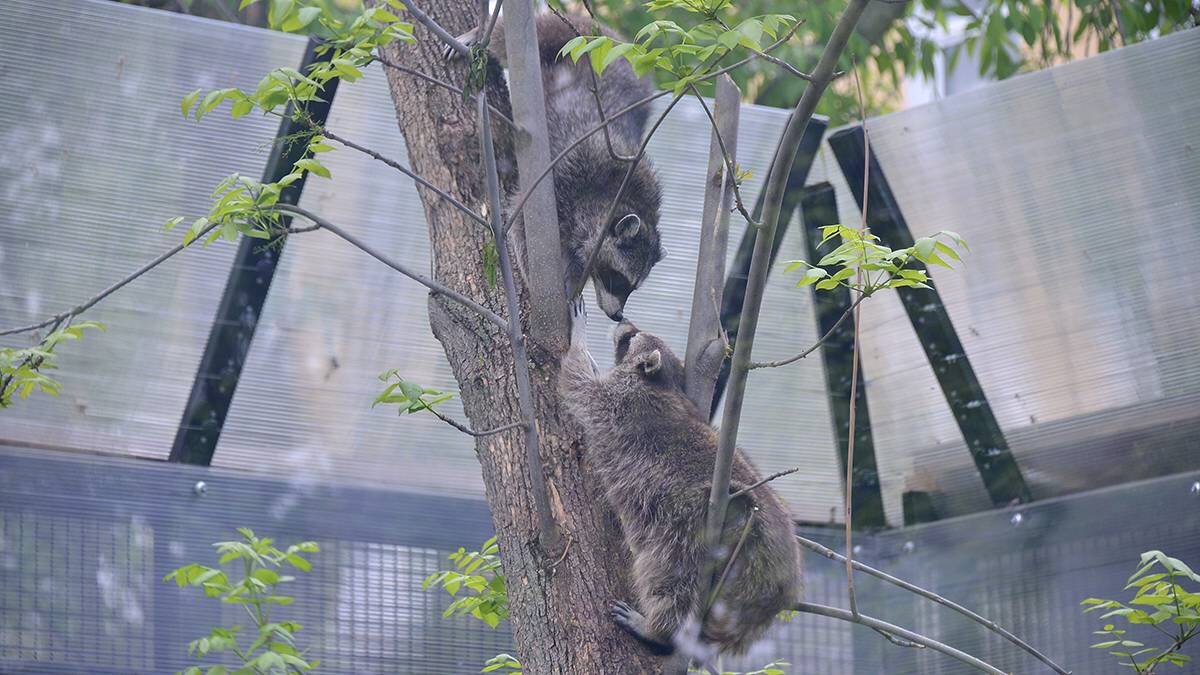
(491, 24)
(407, 172)
(768, 479)
(434, 27)
(903, 633)
(726, 154)
(930, 595)
(441, 83)
(706, 341)
(90, 302)
(520, 204)
(548, 534)
(469, 431)
(549, 322)
(829, 333)
(434, 286)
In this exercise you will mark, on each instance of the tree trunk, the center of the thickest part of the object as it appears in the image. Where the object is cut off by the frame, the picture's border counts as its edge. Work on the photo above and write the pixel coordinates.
(559, 612)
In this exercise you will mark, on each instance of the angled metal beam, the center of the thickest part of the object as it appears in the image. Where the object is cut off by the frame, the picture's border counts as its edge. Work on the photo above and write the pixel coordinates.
(985, 440)
(818, 207)
(241, 305)
(735, 282)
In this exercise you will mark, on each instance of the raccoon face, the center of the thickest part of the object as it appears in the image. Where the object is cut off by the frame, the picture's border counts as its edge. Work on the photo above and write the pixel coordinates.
(647, 357)
(632, 245)
(632, 248)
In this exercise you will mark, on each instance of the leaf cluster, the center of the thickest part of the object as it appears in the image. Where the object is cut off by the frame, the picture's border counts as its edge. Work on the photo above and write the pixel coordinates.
(861, 264)
(21, 369)
(410, 397)
(273, 649)
(680, 54)
(1160, 600)
(479, 576)
(502, 662)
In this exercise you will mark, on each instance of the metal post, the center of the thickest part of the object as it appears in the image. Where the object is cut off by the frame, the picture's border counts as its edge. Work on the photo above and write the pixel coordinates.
(245, 292)
(985, 440)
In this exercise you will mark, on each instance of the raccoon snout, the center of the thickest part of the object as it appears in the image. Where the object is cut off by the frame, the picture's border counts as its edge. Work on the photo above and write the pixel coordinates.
(612, 305)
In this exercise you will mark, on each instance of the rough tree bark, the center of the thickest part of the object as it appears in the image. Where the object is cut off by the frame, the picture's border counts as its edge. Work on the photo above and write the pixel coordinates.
(559, 612)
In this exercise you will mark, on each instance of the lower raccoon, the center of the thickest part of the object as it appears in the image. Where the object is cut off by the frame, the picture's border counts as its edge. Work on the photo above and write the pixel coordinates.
(588, 177)
(653, 453)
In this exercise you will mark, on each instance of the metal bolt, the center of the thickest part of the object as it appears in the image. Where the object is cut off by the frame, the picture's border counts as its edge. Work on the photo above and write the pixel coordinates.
(1196, 488)
(200, 488)
(909, 547)
(1016, 519)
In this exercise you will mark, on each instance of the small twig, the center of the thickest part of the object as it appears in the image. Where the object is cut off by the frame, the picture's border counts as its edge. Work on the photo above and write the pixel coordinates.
(716, 591)
(566, 550)
(813, 348)
(904, 633)
(930, 595)
(768, 479)
(467, 430)
(548, 534)
(595, 89)
(436, 287)
(434, 27)
(91, 302)
(491, 25)
(729, 162)
(441, 83)
(776, 60)
(520, 205)
(424, 182)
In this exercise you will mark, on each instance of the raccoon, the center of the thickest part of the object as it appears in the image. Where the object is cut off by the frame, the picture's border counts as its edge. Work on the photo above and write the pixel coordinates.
(587, 178)
(653, 452)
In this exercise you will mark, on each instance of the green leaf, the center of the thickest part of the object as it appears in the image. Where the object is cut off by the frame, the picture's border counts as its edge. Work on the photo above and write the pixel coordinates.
(615, 53)
(189, 101)
(170, 224)
(241, 108)
(313, 166)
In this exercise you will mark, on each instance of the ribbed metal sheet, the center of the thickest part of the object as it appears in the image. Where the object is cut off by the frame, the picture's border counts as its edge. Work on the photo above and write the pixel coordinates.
(103, 170)
(1076, 189)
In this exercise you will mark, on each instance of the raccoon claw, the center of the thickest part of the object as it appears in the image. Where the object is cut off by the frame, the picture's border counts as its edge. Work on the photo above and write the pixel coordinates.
(631, 621)
(466, 39)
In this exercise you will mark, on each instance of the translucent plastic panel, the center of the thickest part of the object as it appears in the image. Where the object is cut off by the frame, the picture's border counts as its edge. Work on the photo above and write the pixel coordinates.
(96, 157)
(1076, 189)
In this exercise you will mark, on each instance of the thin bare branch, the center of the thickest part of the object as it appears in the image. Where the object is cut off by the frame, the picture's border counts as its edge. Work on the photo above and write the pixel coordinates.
(903, 633)
(815, 345)
(595, 89)
(768, 479)
(436, 28)
(91, 302)
(468, 430)
(727, 155)
(737, 549)
(441, 83)
(707, 343)
(491, 25)
(548, 534)
(816, 547)
(422, 181)
(434, 286)
(520, 204)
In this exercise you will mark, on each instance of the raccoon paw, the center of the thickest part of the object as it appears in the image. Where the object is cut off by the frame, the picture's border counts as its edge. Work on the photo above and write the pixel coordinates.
(635, 624)
(466, 39)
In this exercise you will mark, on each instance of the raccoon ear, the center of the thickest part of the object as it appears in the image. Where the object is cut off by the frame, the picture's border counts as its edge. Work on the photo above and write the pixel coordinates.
(651, 363)
(627, 226)
(662, 252)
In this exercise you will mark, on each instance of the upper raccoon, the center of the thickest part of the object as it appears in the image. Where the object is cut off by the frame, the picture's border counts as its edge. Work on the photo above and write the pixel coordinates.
(587, 179)
(653, 453)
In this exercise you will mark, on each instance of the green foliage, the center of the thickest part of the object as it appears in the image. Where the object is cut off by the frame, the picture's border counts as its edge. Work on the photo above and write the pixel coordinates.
(410, 397)
(244, 206)
(1011, 36)
(21, 369)
(480, 577)
(1169, 592)
(503, 663)
(681, 55)
(273, 648)
(863, 265)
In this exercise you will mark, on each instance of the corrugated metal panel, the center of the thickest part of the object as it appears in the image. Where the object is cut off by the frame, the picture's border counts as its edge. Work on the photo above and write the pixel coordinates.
(1076, 189)
(117, 155)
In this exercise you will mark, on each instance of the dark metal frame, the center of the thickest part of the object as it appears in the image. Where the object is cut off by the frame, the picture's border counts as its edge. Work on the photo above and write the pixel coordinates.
(985, 440)
(241, 305)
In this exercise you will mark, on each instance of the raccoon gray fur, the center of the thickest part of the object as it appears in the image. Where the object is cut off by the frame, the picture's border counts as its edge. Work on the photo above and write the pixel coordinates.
(653, 453)
(587, 178)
